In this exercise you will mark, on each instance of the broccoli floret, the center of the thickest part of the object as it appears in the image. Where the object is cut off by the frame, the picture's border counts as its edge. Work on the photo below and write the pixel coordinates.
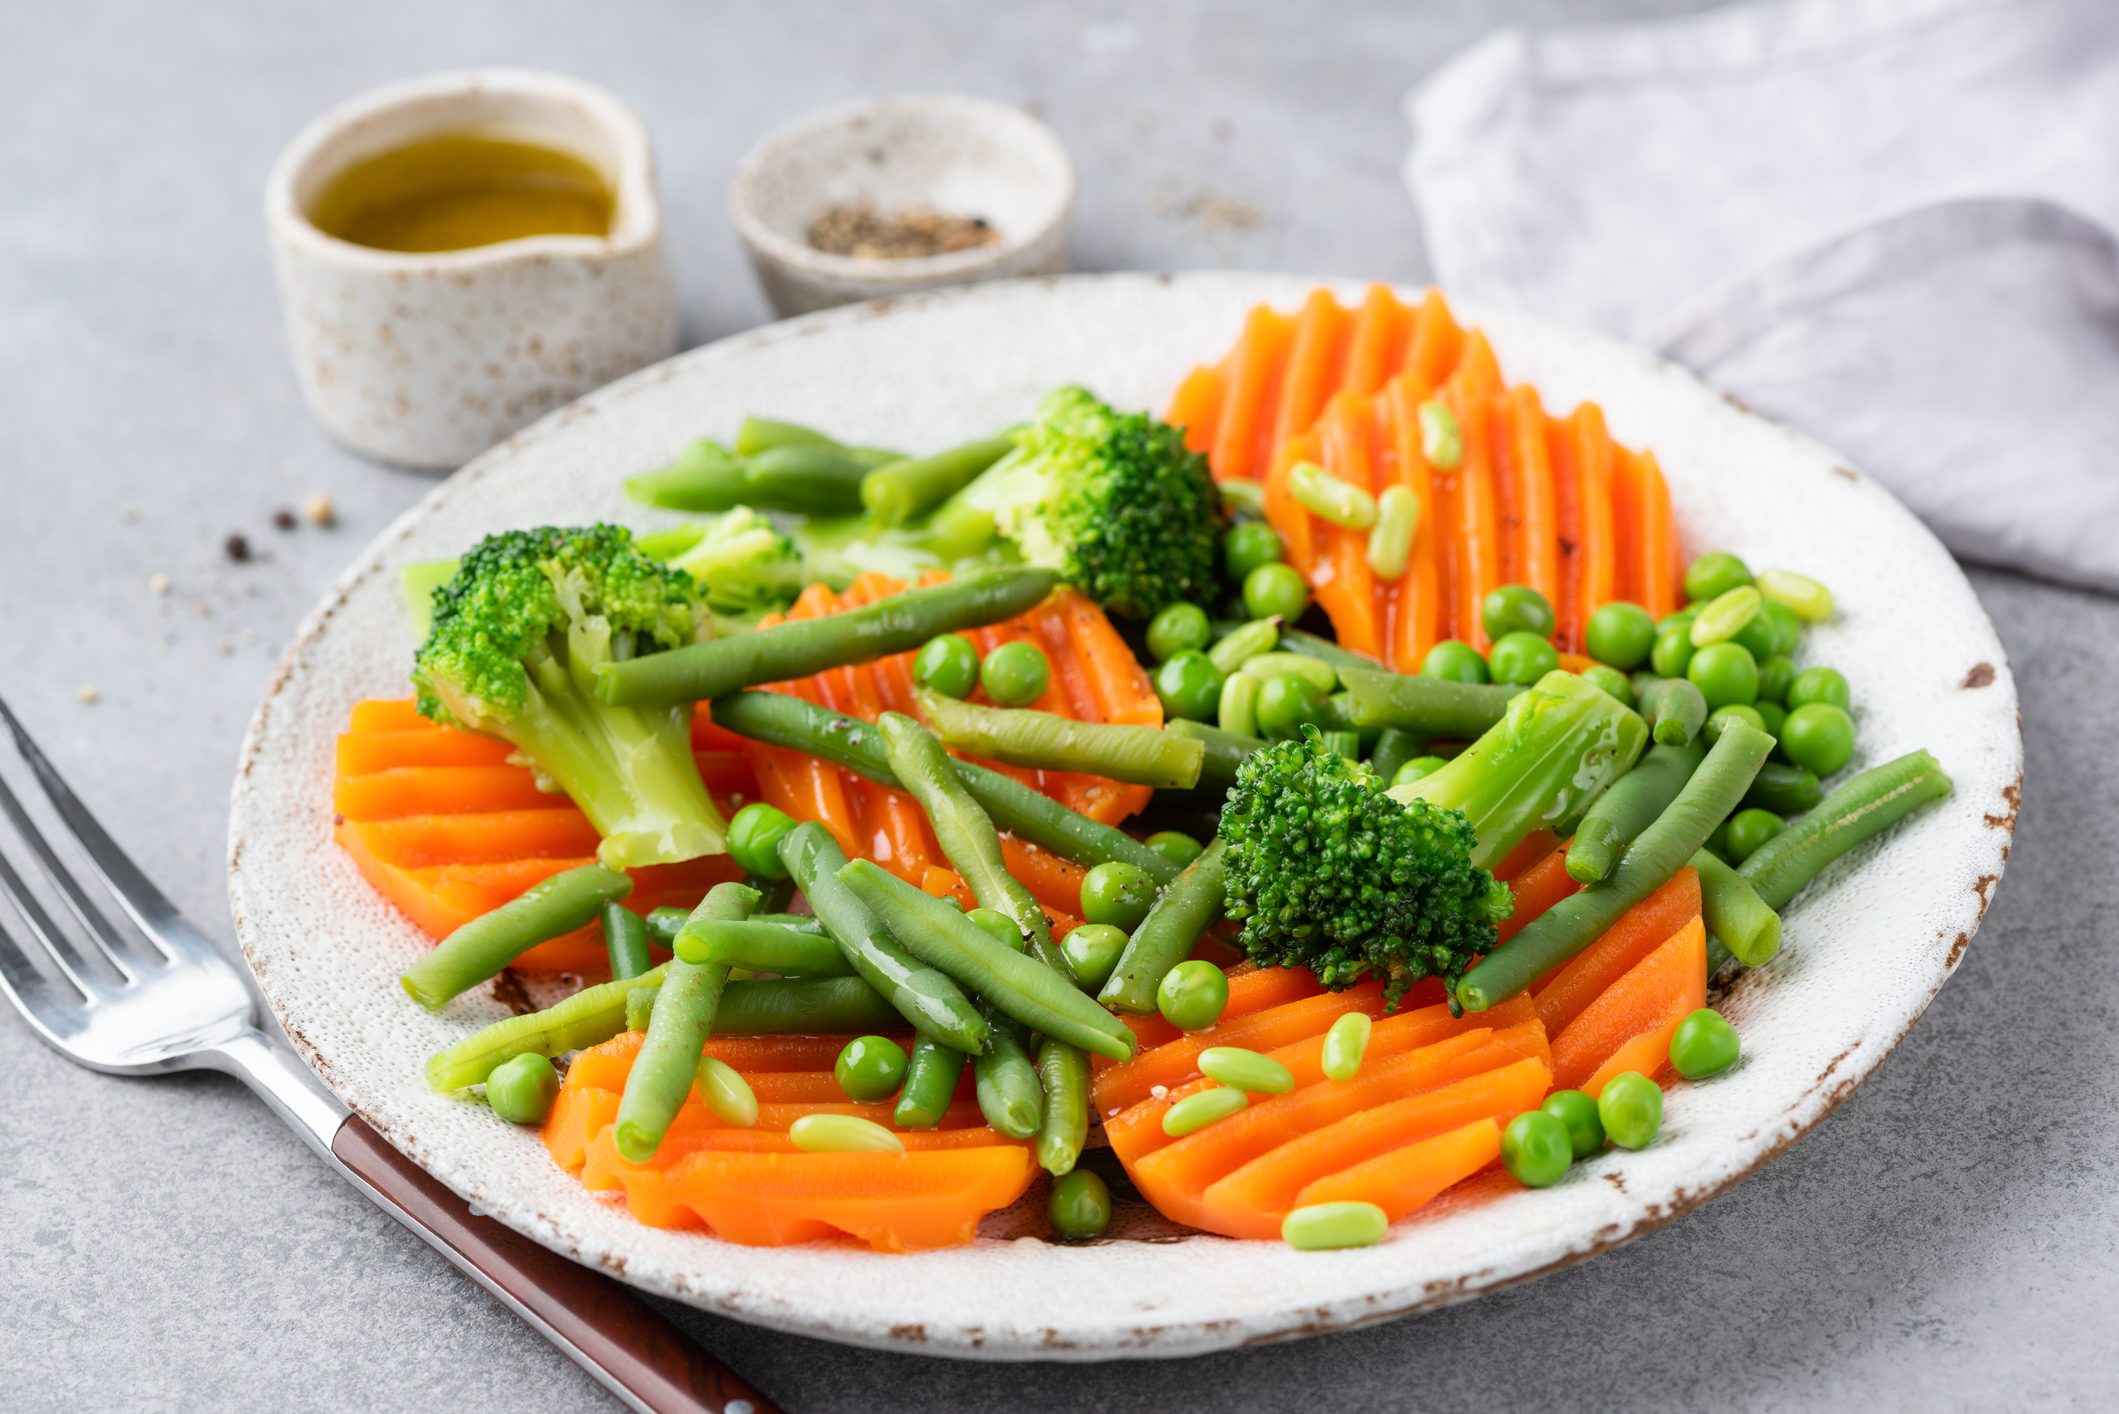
(1111, 500)
(746, 567)
(1327, 871)
(516, 637)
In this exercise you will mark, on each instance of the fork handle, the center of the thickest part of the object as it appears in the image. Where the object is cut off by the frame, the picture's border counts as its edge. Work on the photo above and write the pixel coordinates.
(633, 1349)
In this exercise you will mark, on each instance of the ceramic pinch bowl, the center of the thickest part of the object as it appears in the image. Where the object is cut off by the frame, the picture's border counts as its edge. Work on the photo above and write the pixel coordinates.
(426, 359)
(944, 152)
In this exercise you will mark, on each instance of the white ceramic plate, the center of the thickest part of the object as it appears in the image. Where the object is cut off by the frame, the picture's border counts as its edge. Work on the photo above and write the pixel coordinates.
(1867, 946)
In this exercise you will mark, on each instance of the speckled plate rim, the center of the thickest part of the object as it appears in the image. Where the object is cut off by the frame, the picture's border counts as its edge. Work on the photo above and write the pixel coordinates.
(1894, 920)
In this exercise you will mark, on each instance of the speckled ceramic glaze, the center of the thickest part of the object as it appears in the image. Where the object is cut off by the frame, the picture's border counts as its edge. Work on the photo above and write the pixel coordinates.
(428, 359)
(945, 152)
(1866, 947)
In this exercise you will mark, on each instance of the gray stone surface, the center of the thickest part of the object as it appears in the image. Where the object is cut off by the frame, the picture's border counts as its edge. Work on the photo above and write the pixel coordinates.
(1946, 1239)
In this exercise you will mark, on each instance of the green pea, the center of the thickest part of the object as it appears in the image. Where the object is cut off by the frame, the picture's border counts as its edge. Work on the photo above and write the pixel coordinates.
(1514, 608)
(842, 1134)
(1818, 737)
(999, 927)
(1682, 618)
(1275, 591)
(1826, 685)
(1080, 1205)
(1092, 952)
(1117, 893)
(1718, 841)
(1632, 1110)
(948, 663)
(1761, 635)
(1192, 995)
(1715, 573)
(1611, 680)
(1719, 719)
(1523, 657)
(1726, 615)
(1748, 829)
(1537, 1149)
(1189, 685)
(754, 839)
(1787, 627)
(1249, 545)
(870, 1068)
(1286, 704)
(1672, 653)
(1344, 1046)
(1015, 674)
(1196, 1111)
(1416, 768)
(1621, 634)
(1585, 1131)
(1177, 628)
(1704, 1045)
(1176, 846)
(724, 1091)
(1775, 674)
(1772, 714)
(1453, 661)
(1725, 674)
(521, 1088)
(1325, 1227)
(1246, 1070)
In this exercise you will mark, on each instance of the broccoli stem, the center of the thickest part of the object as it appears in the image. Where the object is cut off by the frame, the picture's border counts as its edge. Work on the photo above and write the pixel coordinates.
(1553, 752)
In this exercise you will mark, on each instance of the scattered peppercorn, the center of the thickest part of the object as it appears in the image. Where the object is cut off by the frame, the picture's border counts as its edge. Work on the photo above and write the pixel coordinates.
(283, 519)
(236, 547)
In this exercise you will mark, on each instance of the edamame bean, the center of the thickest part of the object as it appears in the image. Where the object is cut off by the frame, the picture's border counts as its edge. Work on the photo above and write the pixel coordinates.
(1390, 548)
(1243, 643)
(725, 1093)
(1246, 1070)
(1537, 1149)
(1803, 596)
(1345, 1044)
(1441, 439)
(1195, 1112)
(1631, 1108)
(521, 1089)
(1329, 498)
(842, 1134)
(1704, 1045)
(1325, 1227)
(1237, 711)
(1726, 615)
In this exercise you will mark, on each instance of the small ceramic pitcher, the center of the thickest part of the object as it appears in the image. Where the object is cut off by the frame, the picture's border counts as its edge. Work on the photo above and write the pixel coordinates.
(427, 359)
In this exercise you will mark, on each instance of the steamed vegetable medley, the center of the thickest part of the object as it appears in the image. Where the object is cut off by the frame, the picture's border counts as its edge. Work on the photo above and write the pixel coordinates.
(1027, 805)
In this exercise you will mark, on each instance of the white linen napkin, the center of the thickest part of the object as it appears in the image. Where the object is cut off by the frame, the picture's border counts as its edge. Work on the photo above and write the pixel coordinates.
(1887, 222)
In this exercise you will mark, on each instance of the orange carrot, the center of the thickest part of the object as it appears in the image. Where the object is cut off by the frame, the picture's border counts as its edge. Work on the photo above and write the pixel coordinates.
(420, 790)
(388, 714)
(1407, 1179)
(1595, 552)
(1418, 604)
(414, 840)
(1625, 525)
(1376, 342)
(1657, 993)
(1283, 512)
(1661, 573)
(1537, 536)
(1436, 341)
(1536, 845)
(1640, 930)
(1196, 406)
(1536, 889)
(1567, 511)
(1243, 441)
(1344, 584)
(363, 753)
(1313, 366)
(1478, 530)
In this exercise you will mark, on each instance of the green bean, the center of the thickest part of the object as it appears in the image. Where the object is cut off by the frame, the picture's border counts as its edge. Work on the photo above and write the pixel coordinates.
(779, 719)
(814, 478)
(1314, 671)
(482, 948)
(1393, 749)
(663, 923)
(767, 1006)
(897, 491)
(590, 1017)
(930, 1084)
(1064, 1128)
(1040, 996)
(1656, 853)
(1310, 645)
(774, 895)
(625, 942)
(1784, 789)
(1861, 809)
(1005, 1080)
(1425, 706)
(761, 434)
(802, 647)
(1047, 741)
(923, 995)
(1223, 751)
(764, 947)
(1631, 804)
(1673, 707)
(668, 1063)
(1735, 914)
(1165, 937)
(965, 832)
(1243, 643)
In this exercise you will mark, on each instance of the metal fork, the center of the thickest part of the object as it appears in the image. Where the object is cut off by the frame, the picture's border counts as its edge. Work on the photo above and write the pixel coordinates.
(147, 993)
